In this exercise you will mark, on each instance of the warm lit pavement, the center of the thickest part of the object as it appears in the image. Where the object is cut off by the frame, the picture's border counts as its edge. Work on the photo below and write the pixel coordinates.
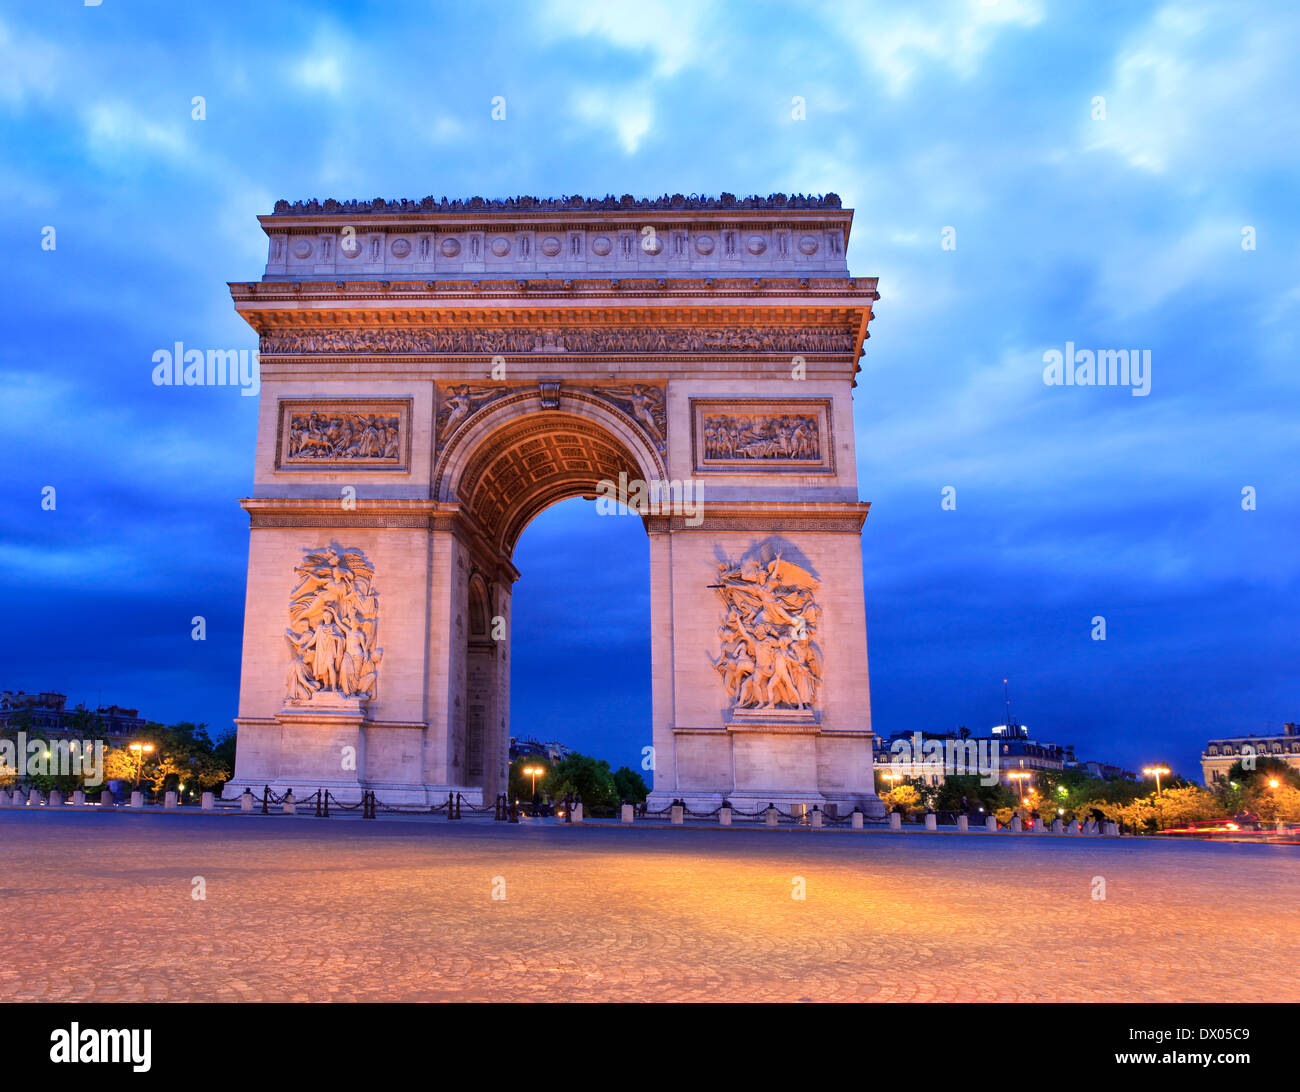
(99, 907)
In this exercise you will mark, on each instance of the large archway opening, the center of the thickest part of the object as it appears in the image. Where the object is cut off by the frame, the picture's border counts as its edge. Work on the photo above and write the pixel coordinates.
(557, 641)
(581, 661)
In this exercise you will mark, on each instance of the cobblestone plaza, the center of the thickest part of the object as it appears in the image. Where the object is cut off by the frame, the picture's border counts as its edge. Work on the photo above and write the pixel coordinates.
(101, 908)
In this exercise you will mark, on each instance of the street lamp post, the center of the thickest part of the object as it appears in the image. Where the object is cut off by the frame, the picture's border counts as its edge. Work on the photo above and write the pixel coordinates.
(1157, 771)
(1019, 777)
(140, 750)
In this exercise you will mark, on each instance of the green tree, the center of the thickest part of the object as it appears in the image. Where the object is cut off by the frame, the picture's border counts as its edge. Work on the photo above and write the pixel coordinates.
(1266, 769)
(630, 785)
(589, 779)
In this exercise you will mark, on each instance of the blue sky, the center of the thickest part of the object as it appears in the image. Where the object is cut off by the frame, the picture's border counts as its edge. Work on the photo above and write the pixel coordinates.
(1072, 502)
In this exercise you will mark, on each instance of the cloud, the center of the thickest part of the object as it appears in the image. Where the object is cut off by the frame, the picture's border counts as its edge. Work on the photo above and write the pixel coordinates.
(670, 32)
(627, 112)
(900, 41)
(29, 67)
(324, 66)
(1202, 77)
(116, 131)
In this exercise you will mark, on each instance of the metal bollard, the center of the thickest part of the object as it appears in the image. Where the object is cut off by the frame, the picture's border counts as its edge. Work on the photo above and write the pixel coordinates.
(266, 799)
(56, 798)
(106, 798)
(1017, 824)
(208, 801)
(816, 816)
(576, 812)
(290, 805)
(895, 820)
(169, 799)
(724, 815)
(931, 821)
(1058, 826)
(626, 814)
(79, 797)
(246, 800)
(770, 816)
(451, 807)
(991, 824)
(137, 799)
(963, 823)
(855, 820)
(677, 814)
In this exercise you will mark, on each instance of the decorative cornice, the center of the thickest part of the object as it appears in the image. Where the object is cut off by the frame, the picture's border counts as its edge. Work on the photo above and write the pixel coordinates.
(530, 204)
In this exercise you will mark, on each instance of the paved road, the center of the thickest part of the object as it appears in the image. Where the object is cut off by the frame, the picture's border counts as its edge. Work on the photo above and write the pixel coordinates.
(97, 907)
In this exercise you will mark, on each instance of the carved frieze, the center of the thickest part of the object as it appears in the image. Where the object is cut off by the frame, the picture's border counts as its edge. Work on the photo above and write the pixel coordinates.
(333, 619)
(769, 657)
(435, 340)
(762, 434)
(326, 434)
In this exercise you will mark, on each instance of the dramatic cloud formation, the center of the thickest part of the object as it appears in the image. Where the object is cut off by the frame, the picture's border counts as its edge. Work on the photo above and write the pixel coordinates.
(1095, 174)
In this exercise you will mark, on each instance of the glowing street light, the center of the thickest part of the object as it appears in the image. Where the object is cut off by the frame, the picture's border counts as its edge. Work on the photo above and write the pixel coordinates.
(140, 750)
(1157, 771)
(1273, 782)
(534, 772)
(1019, 777)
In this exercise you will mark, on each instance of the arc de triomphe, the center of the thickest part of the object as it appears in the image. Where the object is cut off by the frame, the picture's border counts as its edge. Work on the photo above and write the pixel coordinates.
(435, 374)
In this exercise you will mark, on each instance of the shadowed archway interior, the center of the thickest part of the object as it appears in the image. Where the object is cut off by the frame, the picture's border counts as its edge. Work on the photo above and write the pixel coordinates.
(533, 462)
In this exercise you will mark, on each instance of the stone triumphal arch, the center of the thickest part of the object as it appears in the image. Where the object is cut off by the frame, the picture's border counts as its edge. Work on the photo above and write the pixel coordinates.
(436, 373)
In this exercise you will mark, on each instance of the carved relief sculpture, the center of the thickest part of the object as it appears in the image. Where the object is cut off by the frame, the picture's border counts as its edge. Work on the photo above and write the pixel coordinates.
(460, 402)
(791, 436)
(636, 339)
(762, 435)
(646, 405)
(317, 435)
(769, 658)
(333, 615)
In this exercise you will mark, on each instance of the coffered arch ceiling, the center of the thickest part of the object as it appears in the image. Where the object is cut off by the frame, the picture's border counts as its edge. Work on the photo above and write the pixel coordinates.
(530, 463)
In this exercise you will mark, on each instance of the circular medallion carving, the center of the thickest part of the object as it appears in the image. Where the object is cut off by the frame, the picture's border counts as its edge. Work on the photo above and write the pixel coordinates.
(302, 248)
(756, 244)
(500, 246)
(652, 244)
(401, 248)
(551, 246)
(449, 247)
(704, 244)
(601, 245)
(807, 245)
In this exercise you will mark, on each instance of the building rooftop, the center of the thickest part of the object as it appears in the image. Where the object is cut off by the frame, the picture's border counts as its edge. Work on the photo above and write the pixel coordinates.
(570, 204)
